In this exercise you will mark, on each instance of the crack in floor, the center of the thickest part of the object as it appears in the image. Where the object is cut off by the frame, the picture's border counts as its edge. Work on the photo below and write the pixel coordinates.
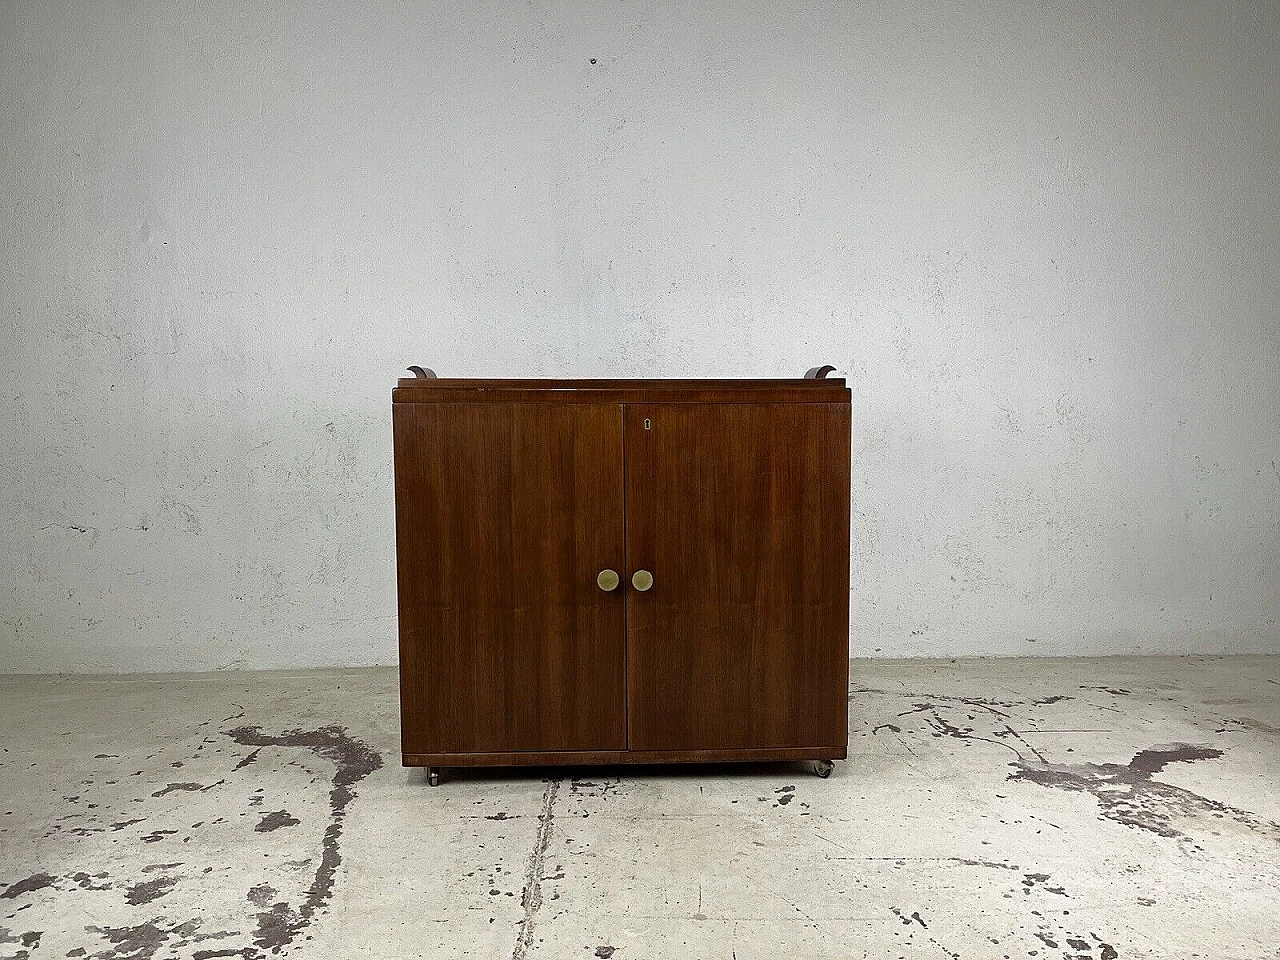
(531, 897)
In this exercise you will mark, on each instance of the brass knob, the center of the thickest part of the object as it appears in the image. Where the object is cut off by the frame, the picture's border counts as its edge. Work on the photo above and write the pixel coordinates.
(608, 579)
(642, 580)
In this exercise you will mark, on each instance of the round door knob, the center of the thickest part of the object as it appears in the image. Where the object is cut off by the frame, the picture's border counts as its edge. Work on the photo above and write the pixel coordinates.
(608, 579)
(642, 580)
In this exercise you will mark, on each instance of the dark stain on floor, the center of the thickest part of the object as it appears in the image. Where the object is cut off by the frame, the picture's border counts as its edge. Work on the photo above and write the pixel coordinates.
(1128, 793)
(37, 881)
(353, 761)
(29, 940)
(261, 895)
(1077, 947)
(275, 820)
(1258, 725)
(912, 920)
(142, 941)
(141, 893)
(173, 787)
(279, 923)
(942, 725)
(908, 919)
(1032, 881)
(1114, 691)
(85, 882)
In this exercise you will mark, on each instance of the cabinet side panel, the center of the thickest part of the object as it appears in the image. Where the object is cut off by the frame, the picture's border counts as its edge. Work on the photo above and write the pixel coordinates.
(505, 513)
(741, 514)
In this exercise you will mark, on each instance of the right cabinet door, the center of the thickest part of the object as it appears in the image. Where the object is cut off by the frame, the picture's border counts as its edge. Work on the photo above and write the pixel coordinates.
(740, 515)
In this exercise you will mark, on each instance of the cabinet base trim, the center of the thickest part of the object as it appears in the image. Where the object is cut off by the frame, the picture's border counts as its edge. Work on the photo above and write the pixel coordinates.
(589, 757)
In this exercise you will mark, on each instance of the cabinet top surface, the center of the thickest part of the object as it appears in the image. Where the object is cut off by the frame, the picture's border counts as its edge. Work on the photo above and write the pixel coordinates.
(460, 390)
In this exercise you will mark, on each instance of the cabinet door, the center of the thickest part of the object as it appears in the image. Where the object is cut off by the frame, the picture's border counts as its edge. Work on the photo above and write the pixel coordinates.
(741, 514)
(505, 514)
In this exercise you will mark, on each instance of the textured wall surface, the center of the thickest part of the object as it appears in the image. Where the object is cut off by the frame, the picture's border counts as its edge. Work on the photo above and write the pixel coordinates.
(1041, 240)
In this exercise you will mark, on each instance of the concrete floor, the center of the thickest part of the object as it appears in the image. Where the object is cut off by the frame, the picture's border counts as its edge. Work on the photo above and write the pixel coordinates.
(1112, 808)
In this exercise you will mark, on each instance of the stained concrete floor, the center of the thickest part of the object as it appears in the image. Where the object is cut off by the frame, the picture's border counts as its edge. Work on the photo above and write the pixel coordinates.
(1112, 808)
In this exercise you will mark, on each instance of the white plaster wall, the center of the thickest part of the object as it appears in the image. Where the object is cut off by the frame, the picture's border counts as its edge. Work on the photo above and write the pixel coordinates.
(1042, 240)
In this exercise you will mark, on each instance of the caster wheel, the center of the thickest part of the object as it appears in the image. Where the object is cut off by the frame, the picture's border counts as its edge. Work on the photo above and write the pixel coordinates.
(823, 768)
(433, 776)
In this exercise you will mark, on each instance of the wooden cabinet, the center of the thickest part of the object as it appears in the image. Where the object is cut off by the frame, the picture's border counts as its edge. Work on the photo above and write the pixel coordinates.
(716, 511)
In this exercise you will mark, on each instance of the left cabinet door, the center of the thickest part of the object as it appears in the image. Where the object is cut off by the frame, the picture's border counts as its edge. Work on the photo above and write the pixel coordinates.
(505, 515)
